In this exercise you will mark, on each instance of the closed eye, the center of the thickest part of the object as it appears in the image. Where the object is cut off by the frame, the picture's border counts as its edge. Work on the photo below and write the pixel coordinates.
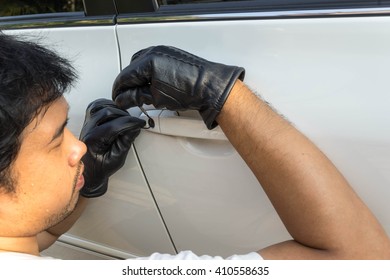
(59, 131)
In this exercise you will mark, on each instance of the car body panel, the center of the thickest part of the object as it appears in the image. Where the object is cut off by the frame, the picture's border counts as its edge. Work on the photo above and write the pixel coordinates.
(328, 76)
(185, 187)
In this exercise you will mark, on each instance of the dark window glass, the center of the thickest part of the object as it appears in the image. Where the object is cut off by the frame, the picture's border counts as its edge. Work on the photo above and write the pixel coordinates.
(264, 5)
(172, 2)
(269, 2)
(28, 7)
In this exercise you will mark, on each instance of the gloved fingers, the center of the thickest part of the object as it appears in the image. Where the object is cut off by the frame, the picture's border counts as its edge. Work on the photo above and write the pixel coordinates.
(121, 146)
(102, 103)
(94, 189)
(126, 138)
(127, 129)
(133, 97)
(124, 126)
(121, 139)
(105, 115)
(109, 131)
(137, 74)
(136, 122)
(141, 53)
(123, 142)
(99, 102)
(109, 114)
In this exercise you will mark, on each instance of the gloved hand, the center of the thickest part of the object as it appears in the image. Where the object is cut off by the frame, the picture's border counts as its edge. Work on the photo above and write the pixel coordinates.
(108, 133)
(172, 78)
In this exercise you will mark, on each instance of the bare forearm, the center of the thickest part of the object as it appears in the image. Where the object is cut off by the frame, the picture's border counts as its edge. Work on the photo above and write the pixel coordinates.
(314, 201)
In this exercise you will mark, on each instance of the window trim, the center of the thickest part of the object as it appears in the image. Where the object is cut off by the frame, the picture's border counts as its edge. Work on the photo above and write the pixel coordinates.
(323, 13)
(177, 13)
(239, 10)
(68, 19)
(268, 5)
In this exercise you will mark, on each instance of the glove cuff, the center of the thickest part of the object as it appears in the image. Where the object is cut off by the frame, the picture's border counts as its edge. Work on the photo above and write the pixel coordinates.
(210, 114)
(91, 190)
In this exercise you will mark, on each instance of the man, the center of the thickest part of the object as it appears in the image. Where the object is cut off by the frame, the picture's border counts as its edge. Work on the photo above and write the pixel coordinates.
(41, 172)
(322, 213)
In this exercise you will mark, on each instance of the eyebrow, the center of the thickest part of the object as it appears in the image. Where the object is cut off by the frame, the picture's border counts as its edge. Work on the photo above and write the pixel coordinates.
(59, 131)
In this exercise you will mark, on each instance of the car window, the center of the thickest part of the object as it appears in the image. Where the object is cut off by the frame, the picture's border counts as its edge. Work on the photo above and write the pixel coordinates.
(173, 2)
(28, 7)
(272, 4)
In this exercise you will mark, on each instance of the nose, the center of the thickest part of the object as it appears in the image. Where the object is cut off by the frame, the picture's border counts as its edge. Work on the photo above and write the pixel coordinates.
(77, 150)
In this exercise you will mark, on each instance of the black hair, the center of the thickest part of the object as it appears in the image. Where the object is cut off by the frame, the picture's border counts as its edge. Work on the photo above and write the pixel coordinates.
(31, 78)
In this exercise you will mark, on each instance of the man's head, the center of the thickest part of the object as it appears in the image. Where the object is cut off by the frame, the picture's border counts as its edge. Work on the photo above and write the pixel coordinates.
(31, 78)
(40, 163)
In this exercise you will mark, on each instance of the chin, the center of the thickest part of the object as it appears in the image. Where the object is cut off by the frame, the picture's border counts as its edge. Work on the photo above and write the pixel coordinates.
(63, 213)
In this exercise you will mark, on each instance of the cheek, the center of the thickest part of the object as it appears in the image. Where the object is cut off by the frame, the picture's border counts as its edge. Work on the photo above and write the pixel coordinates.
(48, 175)
(45, 189)
(44, 178)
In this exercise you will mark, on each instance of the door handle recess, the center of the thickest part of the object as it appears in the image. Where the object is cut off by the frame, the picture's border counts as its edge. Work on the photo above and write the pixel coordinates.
(180, 124)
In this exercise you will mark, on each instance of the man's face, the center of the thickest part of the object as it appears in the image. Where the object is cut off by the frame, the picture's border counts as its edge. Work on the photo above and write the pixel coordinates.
(48, 174)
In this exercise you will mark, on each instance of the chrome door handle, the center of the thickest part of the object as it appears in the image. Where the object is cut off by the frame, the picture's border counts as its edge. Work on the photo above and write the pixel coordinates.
(182, 125)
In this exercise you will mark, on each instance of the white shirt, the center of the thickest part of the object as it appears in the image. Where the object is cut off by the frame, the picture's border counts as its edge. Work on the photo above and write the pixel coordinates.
(184, 255)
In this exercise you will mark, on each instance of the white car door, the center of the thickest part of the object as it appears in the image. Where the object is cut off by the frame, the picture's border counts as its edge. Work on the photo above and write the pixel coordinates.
(325, 70)
(322, 64)
(125, 221)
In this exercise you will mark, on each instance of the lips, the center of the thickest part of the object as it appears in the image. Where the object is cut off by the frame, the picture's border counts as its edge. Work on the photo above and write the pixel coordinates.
(80, 181)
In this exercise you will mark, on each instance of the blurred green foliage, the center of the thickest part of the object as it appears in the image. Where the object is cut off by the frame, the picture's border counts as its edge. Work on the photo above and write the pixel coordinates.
(26, 7)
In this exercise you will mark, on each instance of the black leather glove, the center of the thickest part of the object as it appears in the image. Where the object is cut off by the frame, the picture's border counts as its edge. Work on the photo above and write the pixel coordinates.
(108, 133)
(177, 80)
